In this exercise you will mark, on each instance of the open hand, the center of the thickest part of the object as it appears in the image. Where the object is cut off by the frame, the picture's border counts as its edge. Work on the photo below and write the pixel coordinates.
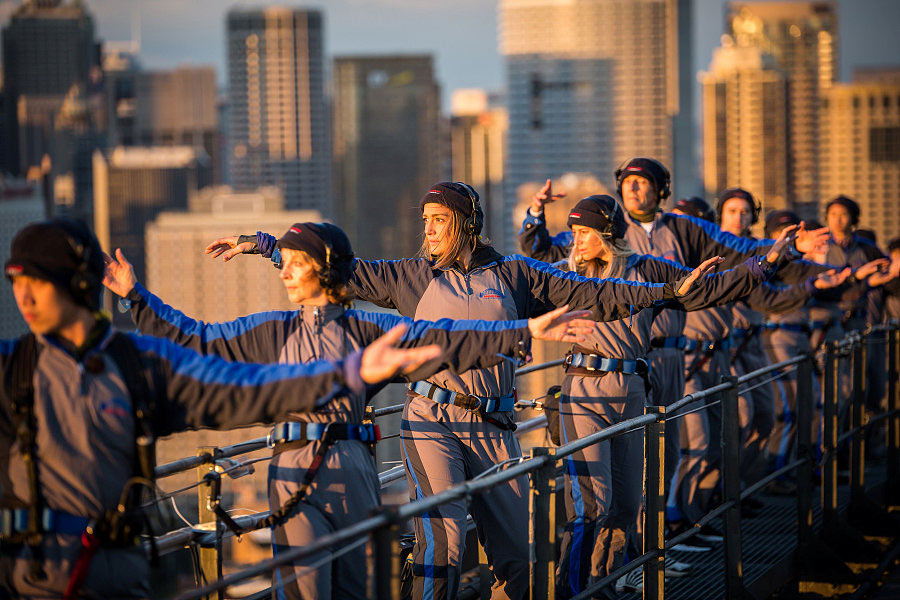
(543, 197)
(382, 360)
(785, 238)
(705, 267)
(831, 278)
(872, 267)
(812, 240)
(561, 326)
(118, 274)
(228, 247)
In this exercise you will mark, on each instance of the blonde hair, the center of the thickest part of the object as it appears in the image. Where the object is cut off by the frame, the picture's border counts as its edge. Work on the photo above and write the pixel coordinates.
(618, 248)
(460, 241)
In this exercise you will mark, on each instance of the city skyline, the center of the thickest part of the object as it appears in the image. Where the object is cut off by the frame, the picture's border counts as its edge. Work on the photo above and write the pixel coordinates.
(462, 36)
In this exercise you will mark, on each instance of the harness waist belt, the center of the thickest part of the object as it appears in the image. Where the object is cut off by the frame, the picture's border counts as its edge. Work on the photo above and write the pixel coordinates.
(299, 431)
(707, 345)
(594, 362)
(742, 333)
(821, 324)
(796, 327)
(13, 521)
(468, 402)
(678, 341)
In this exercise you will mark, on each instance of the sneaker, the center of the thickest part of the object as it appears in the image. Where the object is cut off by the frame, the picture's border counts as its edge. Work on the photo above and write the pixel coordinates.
(676, 568)
(631, 582)
(692, 545)
(710, 534)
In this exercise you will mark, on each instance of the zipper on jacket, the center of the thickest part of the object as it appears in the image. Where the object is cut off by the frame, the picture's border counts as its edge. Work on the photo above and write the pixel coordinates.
(468, 284)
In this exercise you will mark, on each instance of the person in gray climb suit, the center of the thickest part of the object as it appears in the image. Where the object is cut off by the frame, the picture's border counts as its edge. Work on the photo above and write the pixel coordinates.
(606, 383)
(81, 404)
(456, 426)
(317, 265)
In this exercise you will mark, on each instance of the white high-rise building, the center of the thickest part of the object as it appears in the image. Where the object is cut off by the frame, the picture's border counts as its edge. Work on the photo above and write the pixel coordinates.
(590, 83)
(745, 125)
(278, 121)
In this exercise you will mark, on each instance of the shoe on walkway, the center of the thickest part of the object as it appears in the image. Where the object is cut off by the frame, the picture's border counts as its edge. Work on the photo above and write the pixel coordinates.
(631, 582)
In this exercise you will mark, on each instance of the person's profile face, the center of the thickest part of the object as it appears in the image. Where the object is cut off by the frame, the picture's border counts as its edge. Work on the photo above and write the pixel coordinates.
(436, 219)
(300, 277)
(44, 308)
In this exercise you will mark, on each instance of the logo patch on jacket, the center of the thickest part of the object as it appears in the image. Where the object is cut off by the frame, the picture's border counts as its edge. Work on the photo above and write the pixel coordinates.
(116, 407)
(491, 293)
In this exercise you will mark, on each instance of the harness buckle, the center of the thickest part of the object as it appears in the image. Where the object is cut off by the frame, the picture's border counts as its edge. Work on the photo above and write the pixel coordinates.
(270, 439)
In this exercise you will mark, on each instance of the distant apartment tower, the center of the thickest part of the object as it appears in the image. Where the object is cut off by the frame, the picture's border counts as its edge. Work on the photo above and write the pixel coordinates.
(744, 125)
(802, 37)
(860, 140)
(278, 132)
(48, 47)
(386, 149)
(181, 274)
(133, 185)
(590, 83)
(21, 203)
(477, 151)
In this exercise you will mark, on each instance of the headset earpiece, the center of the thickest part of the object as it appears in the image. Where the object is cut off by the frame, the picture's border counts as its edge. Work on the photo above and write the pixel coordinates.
(473, 223)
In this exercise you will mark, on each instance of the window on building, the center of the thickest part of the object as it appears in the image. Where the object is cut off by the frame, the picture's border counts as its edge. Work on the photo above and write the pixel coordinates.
(884, 144)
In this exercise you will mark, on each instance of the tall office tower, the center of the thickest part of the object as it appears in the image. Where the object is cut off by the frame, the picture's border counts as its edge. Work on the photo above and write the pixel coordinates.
(133, 185)
(48, 47)
(803, 39)
(744, 125)
(477, 149)
(685, 173)
(278, 132)
(590, 83)
(860, 139)
(386, 149)
(21, 203)
(181, 274)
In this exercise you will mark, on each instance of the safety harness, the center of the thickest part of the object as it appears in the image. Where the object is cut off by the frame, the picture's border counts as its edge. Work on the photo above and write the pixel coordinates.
(482, 404)
(587, 364)
(745, 336)
(703, 351)
(119, 527)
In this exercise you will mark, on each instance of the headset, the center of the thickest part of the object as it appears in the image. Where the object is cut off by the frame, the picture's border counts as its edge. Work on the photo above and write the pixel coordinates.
(610, 230)
(755, 206)
(330, 274)
(83, 282)
(473, 224)
(662, 191)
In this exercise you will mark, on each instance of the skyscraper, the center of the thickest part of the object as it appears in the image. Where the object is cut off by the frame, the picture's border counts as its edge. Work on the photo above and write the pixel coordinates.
(386, 149)
(48, 47)
(477, 151)
(590, 83)
(860, 155)
(133, 185)
(802, 37)
(278, 122)
(744, 125)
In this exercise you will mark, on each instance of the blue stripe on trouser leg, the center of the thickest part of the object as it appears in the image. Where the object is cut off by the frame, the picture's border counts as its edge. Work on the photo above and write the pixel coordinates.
(787, 417)
(428, 587)
(574, 562)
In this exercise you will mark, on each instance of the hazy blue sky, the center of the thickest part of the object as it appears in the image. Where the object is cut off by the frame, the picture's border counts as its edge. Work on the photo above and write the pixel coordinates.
(462, 34)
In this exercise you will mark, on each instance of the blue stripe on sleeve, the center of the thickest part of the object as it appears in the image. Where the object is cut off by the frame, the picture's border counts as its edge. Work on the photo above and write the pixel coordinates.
(563, 239)
(418, 329)
(569, 275)
(7, 347)
(208, 332)
(739, 244)
(214, 370)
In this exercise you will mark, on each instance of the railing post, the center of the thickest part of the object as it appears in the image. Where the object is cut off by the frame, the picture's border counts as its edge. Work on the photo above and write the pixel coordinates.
(893, 421)
(731, 489)
(654, 492)
(829, 438)
(805, 484)
(385, 553)
(210, 558)
(542, 528)
(857, 420)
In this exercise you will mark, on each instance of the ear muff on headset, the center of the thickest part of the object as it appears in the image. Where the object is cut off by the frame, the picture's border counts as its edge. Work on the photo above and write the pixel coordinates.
(473, 223)
(610, 230)
(329, 275)
(663, 188)
(83, 282)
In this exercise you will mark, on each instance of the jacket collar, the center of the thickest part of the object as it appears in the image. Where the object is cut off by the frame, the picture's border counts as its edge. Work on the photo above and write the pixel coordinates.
(482, 257)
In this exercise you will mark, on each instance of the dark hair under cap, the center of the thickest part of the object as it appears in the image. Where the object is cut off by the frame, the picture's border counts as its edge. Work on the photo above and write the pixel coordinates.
(743, 194)
(777, 219)
(696, 207)
(600, 212)
(63, 252)
(851, 206)
(324, 242)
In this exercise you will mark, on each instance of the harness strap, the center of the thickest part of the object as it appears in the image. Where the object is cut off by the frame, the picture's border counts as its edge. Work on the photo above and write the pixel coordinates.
(703, 351)
(468, 402)
(89, 545)
(299, 431)
(594, 362)
(795, 327)
(678, 341)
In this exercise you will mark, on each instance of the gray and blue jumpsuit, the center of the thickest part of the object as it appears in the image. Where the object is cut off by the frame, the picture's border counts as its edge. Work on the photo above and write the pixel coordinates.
(604, 481)
(345, 489)
(85, 429)
(445, 444)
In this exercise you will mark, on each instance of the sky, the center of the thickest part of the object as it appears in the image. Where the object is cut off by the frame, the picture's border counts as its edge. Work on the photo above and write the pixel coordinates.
(461, 34)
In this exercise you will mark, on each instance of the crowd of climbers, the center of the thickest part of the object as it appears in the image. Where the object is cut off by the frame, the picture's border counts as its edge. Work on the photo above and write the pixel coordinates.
(656, 304)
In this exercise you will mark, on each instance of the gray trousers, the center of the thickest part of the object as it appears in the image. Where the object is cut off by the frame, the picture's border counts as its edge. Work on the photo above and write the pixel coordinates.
(782, 344)
(344, 491)
(756, 408)
(444, 446)
(667, 380)
(603, 481)
(698, 472)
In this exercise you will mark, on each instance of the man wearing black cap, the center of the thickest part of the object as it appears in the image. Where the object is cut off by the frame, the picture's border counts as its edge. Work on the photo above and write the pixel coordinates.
(81, 405)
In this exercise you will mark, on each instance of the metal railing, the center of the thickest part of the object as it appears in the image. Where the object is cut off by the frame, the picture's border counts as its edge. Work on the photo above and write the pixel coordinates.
(383, 528)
